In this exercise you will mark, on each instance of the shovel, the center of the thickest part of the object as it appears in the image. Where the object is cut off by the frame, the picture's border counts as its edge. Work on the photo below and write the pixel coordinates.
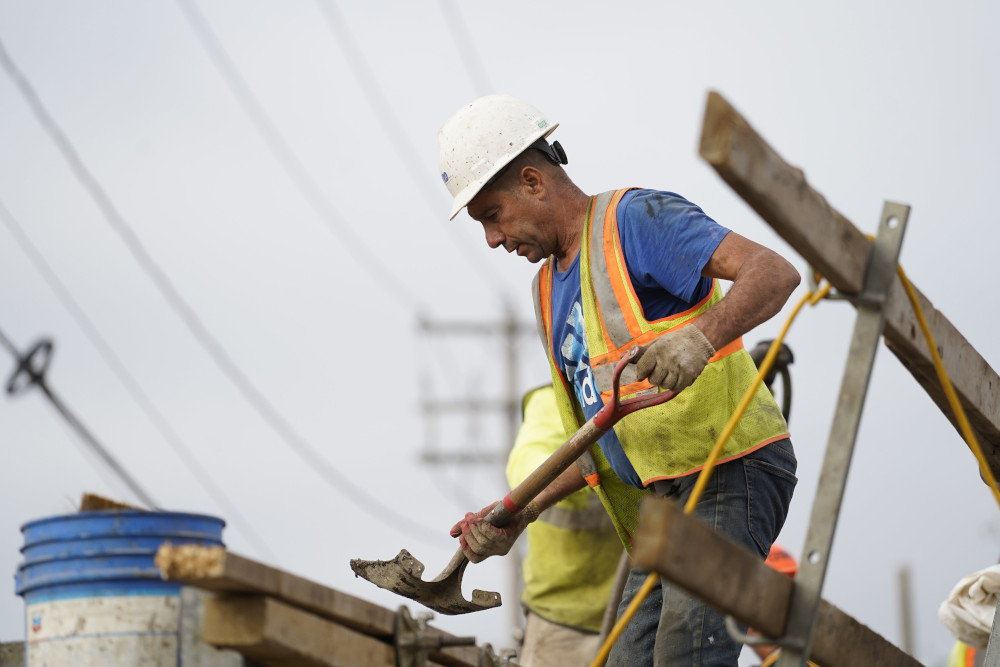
(443, 594)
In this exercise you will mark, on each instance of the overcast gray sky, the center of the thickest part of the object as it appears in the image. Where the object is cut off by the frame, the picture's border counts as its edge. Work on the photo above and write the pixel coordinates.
(234, 294)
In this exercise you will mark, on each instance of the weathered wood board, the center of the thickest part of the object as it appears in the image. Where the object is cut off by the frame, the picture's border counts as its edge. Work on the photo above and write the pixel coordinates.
(690, 554)
(215, 569)
(839, 251)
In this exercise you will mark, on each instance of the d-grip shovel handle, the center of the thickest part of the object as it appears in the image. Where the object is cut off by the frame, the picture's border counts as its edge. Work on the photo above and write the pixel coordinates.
(444, 592)
(577, 444)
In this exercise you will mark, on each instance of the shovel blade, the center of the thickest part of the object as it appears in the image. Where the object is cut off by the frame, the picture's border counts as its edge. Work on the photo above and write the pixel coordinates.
(401, 575)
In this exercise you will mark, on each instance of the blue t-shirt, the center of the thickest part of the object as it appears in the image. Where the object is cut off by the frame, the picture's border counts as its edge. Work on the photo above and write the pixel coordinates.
(667, 241)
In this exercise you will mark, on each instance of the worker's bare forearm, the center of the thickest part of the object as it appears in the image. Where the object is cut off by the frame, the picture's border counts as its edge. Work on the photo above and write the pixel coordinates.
(762, 282)
(569, 481)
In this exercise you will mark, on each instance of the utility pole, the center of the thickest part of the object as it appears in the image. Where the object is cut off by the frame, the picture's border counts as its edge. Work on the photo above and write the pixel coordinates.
(507, 406)
(906, 609)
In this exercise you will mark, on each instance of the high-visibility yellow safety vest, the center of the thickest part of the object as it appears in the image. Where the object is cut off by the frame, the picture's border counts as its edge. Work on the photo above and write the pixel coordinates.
(573, 549)
(666, 441)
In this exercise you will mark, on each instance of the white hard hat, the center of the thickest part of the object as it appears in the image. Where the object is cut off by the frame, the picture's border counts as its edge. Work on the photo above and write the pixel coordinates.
(482, 138)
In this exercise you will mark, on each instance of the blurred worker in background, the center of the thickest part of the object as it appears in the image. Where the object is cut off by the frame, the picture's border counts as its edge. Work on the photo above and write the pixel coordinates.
(573, 552)
(624, 268)
(969, 614)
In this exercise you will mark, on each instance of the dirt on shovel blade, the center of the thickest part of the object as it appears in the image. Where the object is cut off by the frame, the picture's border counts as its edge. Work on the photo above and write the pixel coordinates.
(401, 575)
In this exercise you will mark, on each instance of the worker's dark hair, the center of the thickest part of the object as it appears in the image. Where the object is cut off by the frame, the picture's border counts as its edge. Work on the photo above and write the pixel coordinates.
(553, 154)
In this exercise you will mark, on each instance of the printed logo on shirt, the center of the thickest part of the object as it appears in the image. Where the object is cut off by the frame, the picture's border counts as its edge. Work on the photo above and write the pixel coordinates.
(576, 358)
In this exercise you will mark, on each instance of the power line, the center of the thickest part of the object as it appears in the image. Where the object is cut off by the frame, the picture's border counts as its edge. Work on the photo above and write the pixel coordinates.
(470, 56)
(156, 417)
(389, 121)
(356, 494)
(32, 367)
(355, 57)
(297, 173)
(366, 80)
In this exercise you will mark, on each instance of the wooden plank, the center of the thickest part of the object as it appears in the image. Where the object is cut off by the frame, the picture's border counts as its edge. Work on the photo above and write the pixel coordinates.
(215, 569)
(839, 251)
(688, 553)
(12, 654)
(278, 635)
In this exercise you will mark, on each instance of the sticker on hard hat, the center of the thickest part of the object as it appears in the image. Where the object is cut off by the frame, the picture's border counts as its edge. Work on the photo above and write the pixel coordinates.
(444, 176)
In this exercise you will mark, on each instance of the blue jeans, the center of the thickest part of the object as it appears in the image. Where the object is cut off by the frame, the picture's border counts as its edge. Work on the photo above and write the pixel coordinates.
(747, 500)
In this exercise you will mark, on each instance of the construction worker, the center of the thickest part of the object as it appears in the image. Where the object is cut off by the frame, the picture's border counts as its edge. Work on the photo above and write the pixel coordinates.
(623, 268)
(573, 552)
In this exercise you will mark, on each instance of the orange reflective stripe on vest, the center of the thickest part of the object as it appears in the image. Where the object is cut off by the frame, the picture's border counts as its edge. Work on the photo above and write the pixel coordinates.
(623, 323)
(670, 440)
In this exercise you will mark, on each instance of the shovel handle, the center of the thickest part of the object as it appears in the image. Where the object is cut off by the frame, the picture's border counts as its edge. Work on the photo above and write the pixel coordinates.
(577, 444)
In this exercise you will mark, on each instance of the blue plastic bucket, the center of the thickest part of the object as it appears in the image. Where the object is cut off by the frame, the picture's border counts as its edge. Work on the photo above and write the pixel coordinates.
(92, 593)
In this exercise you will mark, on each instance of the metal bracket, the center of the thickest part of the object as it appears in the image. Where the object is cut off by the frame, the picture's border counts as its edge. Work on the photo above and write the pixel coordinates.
(756, 639)
(487, 658)
(862, 298)
(868, 328)
(414, 642)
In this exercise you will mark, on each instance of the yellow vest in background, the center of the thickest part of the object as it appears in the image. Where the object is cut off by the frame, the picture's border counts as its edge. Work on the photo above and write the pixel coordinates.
(963, 655)
(573, 549)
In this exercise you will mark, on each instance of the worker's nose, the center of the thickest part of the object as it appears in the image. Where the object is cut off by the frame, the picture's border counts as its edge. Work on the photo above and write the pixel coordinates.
(494, 238)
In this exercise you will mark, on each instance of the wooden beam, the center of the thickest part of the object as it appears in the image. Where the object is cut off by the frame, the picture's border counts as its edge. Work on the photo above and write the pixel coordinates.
(839, 251)
(685, 551)
(279, 635)
(215, 569)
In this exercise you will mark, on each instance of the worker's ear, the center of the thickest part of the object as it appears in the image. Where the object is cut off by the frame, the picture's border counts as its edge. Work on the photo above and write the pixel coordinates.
(531, 180)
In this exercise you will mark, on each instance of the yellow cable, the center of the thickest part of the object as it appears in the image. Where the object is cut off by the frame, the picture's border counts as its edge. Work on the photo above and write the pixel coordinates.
(812, 298)
(699, 487)
(949, 391)
(765, 367)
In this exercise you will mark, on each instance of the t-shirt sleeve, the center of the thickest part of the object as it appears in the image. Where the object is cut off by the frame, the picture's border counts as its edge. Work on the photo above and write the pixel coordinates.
(667, 241)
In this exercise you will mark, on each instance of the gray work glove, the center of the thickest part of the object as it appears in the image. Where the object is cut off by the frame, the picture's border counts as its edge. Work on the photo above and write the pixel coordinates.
(675, 359)
(480, 539)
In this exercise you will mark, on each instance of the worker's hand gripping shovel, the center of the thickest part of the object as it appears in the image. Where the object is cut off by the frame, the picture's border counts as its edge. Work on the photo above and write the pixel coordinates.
(443, 594)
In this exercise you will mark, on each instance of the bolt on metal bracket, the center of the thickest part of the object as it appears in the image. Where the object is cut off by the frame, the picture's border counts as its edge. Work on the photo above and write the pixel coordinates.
(414, 641)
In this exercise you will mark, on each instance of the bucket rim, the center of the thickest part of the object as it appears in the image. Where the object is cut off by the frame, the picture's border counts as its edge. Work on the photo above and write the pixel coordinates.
(94, 514)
